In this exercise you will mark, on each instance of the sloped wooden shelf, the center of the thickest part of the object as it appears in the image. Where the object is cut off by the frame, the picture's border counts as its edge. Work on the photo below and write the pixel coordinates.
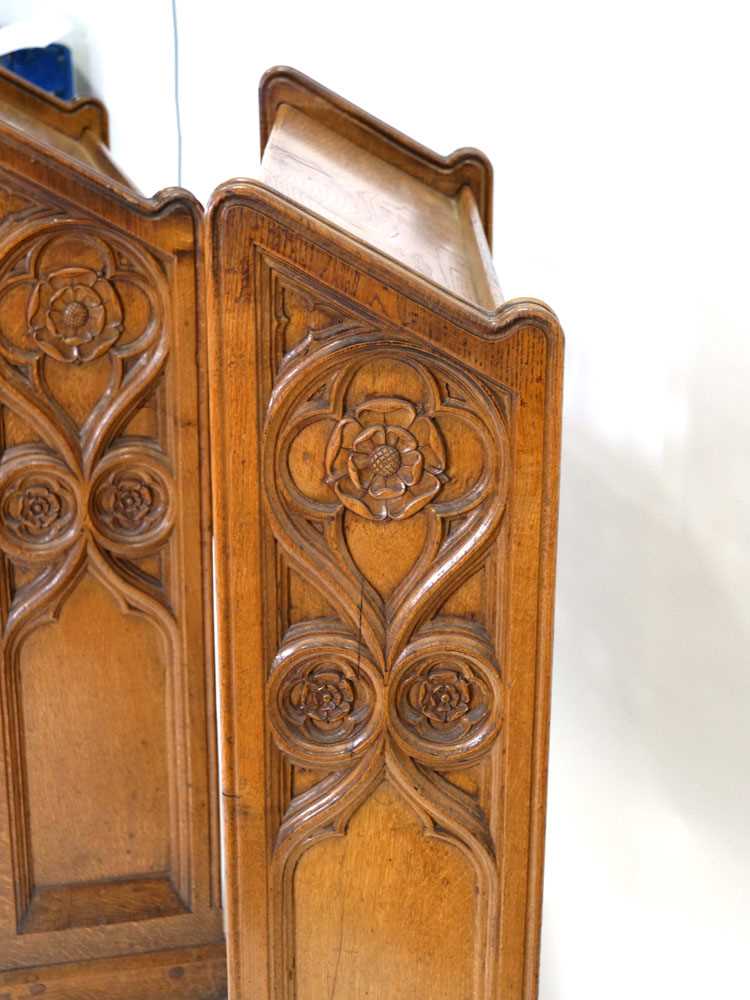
(421, 209)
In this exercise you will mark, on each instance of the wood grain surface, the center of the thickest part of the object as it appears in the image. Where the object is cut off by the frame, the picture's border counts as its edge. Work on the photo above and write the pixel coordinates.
(385, 467)
(385, 456)
(108, 795)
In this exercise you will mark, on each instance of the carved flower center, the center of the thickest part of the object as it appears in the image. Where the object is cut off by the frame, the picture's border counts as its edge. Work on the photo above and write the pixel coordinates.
(75, 315)
(134, 501)
(445, 694)
(327, 698)
(37, 508)
(385, 460)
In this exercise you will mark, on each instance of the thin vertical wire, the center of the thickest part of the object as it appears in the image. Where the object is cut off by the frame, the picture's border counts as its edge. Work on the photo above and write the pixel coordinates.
(177, 91)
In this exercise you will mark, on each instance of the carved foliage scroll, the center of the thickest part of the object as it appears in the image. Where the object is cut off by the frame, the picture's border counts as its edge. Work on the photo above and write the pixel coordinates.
(365, 427)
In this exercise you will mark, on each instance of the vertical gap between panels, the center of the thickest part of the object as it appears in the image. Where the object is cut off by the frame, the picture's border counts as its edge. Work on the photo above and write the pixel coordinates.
(178, 119)
(219, 735)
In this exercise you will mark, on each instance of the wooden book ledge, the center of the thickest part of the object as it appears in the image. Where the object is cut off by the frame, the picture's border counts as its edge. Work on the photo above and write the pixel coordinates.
(384, 451)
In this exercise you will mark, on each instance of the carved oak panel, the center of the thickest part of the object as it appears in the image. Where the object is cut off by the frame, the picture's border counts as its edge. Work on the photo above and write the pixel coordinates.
(107, 820)
(390, 614)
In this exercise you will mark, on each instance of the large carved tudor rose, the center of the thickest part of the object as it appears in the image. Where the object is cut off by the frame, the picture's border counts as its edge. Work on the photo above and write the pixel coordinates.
(385, 461)
(74, 314)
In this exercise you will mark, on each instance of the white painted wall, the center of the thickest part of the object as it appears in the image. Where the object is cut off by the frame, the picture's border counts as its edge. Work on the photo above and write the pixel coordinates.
(620, 139)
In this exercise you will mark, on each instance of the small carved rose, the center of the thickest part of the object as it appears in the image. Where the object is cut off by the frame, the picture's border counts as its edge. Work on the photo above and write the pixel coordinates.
(74, 314)
(40, 508)
(444, 702)
(37, 508)
(385, 461)
(444, 696)
(326, 696)
(128, 502)
(132, 503)
(324, 700)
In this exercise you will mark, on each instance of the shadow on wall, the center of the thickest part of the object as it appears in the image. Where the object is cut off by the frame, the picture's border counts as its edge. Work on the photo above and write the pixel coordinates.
(648, 855)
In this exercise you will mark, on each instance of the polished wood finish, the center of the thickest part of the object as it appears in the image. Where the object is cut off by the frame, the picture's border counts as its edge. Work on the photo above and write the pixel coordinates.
(385, 467)
(109, 859)
(421, 209)
(187, 973)
(385, 452)
(283, 87)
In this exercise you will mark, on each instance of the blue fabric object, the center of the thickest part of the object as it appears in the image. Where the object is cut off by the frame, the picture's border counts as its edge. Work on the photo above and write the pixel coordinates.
(50, 68)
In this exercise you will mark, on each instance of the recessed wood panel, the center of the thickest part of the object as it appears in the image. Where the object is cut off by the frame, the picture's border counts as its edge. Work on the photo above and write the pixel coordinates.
(103, 708)
(414, 912)
(96, 904)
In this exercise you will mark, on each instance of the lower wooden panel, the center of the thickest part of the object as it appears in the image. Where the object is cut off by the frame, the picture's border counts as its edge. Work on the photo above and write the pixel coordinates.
(56, 908)
(107, 723)
(183, 974)
(419, 883)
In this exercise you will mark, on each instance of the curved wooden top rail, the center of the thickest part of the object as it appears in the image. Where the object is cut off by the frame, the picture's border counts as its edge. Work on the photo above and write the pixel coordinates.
(78, 129)
(424, 295)
(447, 174)
(71, 117)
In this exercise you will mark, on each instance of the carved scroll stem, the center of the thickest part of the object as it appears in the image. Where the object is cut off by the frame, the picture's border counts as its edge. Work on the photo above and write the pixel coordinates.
(321, 812)
(369, 605)
(347, 595)
(457, 560)
(48, 419)
(366, 594)
(117, 404)
(429, 583)
(307, 550)
(126, 391)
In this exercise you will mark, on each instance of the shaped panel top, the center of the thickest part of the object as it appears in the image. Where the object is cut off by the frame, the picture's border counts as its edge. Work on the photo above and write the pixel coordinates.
(427, 212)
(78, 130)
